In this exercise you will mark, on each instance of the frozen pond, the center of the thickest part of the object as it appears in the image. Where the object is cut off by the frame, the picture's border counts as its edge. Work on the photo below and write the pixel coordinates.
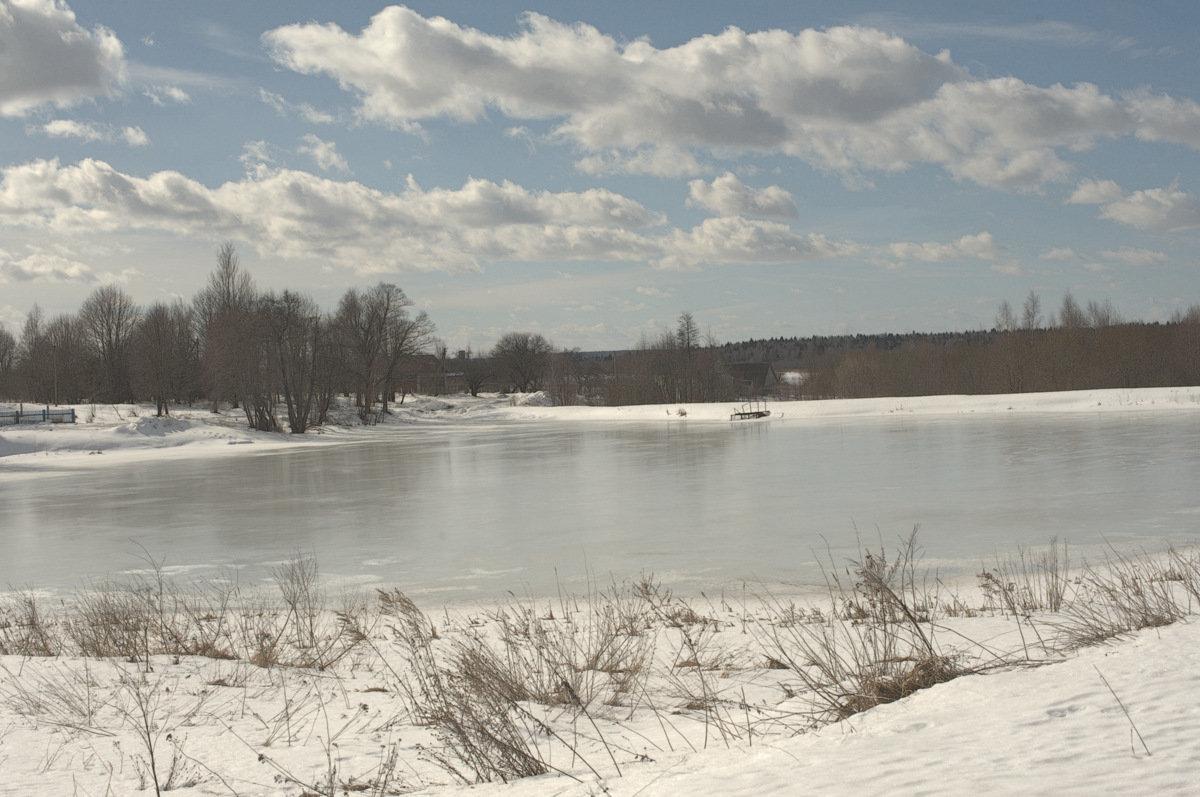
(471, 511)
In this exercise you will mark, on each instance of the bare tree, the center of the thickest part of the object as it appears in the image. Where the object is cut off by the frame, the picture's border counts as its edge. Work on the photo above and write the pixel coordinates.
(1031, 312)
(1102, 315)
(295, 342)
(224, 311)
(8, 361)
(377, 334)
(564, 370)
(1071, 315)
(1006, 319)
(110, 315)
(522, 357)
(66, 358)
(476, 370)
(166, 355)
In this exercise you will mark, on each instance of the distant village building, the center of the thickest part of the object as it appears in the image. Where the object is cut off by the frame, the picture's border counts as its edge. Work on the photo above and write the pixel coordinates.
(754, 379)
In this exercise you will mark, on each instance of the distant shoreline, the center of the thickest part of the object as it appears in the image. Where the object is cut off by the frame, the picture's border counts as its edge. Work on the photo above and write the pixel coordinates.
(105, 434)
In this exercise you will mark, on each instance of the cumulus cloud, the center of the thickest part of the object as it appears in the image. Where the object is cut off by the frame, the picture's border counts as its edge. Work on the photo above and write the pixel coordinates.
(1162, 118)
(323, 153)
(42, 266)
(729, 196)
(70, 128)
(298, 215)
(734, 239)
(1169, 209)
(850, 99)
(1061, 253)
(89, 132)
(46, 58)
(1095, 192)
(135, 136)
(656, 161)
(1155, 209)
(981, 246)
(164, 95)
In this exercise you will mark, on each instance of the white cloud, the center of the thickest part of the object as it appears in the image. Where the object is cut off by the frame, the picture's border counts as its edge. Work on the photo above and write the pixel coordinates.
(1167, 209)
(729, 196)
(981, 246)
(732, 239)
(323, 153)
(1134, 256)
(1095, 192)
(89, 132)
(70, 128)
(135, 137)
(656, 161)
(305, 111)
(297, 215)
(162, 95)
(850, 99)
(46, 58)
(1061, 253)
(42, 266)
(1156, 209)
(1162, 118)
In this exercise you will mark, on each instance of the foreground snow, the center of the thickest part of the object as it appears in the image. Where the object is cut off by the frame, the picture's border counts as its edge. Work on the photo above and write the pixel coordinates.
(127, 432)
(1115, 719)
(1054, 729)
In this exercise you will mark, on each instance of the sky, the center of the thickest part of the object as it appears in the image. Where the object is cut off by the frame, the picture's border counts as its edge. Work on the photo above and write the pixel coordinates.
(589, 171)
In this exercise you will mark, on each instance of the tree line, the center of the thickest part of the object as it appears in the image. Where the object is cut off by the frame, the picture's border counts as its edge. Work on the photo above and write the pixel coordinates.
(274, 355)
(677, 365)
(1077, 347)
(282, 361)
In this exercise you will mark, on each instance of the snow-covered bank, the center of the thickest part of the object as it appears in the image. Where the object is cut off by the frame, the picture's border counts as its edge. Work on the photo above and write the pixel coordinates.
(123, 433)
(1057, 729)
(623, 693)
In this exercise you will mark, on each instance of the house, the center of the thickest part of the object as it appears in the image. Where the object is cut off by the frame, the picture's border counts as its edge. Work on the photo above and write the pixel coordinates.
(754, 379)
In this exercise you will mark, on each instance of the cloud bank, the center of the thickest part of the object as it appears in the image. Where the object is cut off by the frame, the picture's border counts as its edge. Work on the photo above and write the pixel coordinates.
(849, 99)
(298, 215)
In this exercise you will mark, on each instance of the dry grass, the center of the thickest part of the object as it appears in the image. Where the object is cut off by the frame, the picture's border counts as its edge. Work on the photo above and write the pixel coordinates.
(24, 630)
(877, 644)
(484, 733)
(1127, 593)
(532, 687)
(1029, 582)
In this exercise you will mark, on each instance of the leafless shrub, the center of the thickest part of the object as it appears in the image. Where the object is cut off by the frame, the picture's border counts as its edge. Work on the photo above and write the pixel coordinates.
(1028, 582)
(111, 621)
(690, 674)
(484, 732)
(878, 645)
(1183, 568)
(24, 630)
(596, 649)
(1127, 593)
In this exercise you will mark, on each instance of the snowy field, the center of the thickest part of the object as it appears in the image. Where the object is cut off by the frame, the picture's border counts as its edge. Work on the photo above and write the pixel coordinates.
(291, 689)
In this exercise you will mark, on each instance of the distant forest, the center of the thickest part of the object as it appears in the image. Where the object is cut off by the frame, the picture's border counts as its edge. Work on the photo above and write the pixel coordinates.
(284, 362)
(1073, 348)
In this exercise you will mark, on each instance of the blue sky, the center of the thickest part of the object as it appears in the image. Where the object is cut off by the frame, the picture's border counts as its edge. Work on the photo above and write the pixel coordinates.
(591, 170)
